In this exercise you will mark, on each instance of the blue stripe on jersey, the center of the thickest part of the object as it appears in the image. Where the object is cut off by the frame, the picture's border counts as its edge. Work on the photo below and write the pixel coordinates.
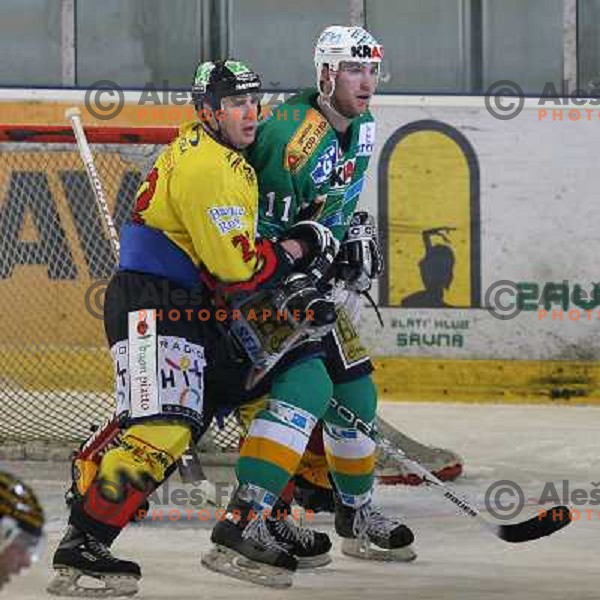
(149, 250)
(333, 220)
(354, 190)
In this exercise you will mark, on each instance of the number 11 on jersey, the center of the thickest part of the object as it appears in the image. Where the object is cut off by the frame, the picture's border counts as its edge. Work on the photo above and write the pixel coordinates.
(287, 201)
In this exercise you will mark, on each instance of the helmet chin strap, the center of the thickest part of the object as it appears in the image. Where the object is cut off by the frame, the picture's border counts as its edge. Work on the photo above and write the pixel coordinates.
(339, 120)
(214, 129)
(218, 134)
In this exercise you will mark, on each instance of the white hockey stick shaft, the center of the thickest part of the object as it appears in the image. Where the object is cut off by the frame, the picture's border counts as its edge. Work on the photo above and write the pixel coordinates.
(398, 455)
(74, 116)
(528, 530)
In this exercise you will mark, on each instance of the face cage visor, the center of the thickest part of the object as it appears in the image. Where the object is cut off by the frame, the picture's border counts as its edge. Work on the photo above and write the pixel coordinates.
(13, 538)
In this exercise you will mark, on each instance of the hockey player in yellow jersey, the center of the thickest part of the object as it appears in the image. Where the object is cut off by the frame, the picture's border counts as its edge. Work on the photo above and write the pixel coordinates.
(225, 194)
(191, 240)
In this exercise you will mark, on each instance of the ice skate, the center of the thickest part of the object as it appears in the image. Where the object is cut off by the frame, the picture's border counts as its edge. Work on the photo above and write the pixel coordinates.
(368, 534)
(311, 548)
(80, 554)
(245, 549)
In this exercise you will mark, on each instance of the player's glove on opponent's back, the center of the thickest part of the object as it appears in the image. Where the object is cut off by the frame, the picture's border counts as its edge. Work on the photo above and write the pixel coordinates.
(320, 248)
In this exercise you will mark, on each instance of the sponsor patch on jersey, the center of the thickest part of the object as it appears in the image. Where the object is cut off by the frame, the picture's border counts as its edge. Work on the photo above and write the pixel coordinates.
(347, 340)
(142, 336)
(227, 218)
(305, 141)
(325, 162)
(181, 373)
(366, 139)
(342, 173)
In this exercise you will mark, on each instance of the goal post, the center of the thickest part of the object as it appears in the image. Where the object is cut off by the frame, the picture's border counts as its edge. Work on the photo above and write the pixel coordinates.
(55, 262)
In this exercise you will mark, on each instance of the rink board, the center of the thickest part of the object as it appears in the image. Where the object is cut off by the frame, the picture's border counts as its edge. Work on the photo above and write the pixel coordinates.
(519, 199)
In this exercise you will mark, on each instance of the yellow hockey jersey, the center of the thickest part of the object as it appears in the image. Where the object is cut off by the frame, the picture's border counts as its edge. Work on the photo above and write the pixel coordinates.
(195, 217)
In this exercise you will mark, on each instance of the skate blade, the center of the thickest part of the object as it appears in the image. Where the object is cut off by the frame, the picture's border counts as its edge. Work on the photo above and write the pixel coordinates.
(66, 583)
(233, 564)
(356, 549)
(313, 562)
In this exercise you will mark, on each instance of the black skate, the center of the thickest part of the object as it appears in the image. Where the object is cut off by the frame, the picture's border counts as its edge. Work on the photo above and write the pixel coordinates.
(311, 548)
(370, 535)
(245, 549)
(80, 554)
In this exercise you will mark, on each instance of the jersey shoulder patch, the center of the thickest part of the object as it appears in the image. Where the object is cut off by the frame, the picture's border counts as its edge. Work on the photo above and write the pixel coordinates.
(305, 140)
(366, 138)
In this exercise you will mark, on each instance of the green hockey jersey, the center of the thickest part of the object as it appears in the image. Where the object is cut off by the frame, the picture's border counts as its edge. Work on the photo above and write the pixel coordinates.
(307, 170)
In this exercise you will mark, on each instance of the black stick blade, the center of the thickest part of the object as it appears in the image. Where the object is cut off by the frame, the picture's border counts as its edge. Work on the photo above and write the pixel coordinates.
(545, 523)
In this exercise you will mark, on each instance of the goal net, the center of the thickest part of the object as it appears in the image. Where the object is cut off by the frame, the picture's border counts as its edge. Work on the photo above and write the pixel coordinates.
(55, 261)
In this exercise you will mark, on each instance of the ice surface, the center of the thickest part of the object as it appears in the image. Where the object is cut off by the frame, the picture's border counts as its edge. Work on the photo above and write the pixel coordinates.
(457, 559)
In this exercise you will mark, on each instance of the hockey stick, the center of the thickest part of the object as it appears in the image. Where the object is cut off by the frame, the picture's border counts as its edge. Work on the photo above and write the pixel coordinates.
(74, 116)
(544, 524)
(189, 469)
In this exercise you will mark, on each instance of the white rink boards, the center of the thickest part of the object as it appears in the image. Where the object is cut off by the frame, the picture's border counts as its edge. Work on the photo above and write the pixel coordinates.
(457, 560)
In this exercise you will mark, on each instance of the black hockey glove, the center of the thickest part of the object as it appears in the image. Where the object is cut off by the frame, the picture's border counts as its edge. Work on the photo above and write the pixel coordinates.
(299, 293)
(322, 248)
(359, 260)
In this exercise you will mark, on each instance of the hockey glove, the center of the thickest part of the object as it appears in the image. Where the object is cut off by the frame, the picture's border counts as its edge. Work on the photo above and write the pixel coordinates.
(299, 293)
(321, 248)
(359, 260)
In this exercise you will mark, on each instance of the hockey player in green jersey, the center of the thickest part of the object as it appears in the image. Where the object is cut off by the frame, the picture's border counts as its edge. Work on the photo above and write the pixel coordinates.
(311, 159)
(314, 150)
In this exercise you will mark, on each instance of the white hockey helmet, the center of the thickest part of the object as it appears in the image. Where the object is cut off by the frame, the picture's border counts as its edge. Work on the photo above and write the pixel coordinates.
(338, 43)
